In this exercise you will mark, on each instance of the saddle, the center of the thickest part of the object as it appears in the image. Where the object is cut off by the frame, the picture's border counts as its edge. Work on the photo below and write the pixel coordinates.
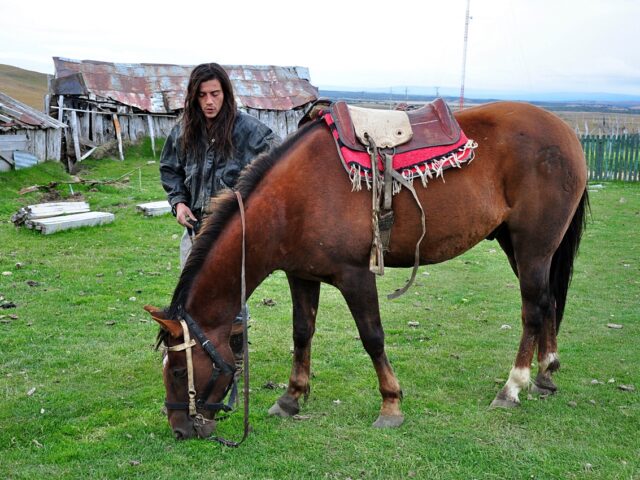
(429, 126)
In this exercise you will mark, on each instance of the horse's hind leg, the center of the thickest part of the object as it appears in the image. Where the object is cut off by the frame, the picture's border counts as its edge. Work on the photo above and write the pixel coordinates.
(547, 345)
(537, 311)
(548, 361)
(305, 295)
(359, 290)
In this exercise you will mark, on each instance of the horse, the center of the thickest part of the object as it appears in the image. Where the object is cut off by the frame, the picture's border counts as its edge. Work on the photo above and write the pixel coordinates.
(525, 188)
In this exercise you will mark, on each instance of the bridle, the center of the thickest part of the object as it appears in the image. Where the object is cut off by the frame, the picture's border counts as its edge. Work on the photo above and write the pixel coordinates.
(220, 366)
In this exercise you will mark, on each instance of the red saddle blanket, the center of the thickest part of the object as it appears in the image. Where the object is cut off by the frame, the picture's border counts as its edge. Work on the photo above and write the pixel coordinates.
(422, 159)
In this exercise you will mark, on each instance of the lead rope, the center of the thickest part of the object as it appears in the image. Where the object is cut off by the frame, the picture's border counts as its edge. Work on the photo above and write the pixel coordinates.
(245, 335)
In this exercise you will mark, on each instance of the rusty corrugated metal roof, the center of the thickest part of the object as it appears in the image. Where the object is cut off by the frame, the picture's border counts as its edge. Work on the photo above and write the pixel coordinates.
(15, 115)
(158, 88)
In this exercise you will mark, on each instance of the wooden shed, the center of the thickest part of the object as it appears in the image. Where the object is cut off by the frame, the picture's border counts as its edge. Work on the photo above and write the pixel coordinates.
(103, 101)
(27, 136)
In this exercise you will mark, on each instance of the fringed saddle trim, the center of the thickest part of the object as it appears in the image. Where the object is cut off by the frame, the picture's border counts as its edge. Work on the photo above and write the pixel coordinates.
(424, 163)
(425, 171)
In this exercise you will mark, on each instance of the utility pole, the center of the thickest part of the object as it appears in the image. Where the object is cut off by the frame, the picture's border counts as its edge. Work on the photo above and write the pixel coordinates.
(464, 54)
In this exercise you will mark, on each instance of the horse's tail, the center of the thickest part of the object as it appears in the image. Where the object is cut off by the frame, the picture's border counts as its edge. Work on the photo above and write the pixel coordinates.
(562, 262)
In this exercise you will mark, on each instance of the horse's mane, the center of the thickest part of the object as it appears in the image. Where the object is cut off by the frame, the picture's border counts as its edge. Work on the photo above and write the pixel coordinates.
(226, 205)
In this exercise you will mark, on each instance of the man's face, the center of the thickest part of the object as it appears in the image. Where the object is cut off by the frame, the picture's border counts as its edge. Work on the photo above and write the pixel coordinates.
(210, 97)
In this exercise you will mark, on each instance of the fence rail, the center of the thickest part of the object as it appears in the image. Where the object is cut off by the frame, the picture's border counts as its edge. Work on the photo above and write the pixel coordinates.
(612, 157)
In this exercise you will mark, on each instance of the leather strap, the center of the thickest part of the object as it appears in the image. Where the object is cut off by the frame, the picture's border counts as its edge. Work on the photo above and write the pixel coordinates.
(245, 334)
(186, 346)
(376, 258)
(408, 185)
(383, 221)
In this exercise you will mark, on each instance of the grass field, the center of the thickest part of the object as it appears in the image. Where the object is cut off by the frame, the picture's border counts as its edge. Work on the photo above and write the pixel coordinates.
(81, 391)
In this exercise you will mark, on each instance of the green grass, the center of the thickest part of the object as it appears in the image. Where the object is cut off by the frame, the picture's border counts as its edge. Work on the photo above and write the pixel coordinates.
(85, 345)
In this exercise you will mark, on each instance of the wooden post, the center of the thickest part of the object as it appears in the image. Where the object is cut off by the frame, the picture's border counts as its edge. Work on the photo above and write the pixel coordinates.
(84, 122)
(60, 107)
(86, 155)
(152, 134)
(94, 119)
(116, 124)
(74, 134)
(99, 129)
(633, 157)
(47, 104)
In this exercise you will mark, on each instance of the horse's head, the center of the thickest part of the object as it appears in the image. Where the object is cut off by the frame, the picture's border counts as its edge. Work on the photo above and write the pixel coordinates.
(196, 377)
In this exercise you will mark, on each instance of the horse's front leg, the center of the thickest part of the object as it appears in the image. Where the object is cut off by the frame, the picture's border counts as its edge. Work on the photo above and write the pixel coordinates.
(305, 295)
(359, 290)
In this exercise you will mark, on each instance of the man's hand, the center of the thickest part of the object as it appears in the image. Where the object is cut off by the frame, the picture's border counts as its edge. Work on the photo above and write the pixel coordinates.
(184, 216)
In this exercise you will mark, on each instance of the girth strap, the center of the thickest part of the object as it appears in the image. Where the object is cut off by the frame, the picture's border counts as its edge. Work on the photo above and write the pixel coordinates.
(386, 217)
(416, 262)
(382, 219)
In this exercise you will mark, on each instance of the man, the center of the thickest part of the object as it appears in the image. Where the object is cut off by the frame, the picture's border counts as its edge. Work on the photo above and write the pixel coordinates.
(208, 148)
(205, 153)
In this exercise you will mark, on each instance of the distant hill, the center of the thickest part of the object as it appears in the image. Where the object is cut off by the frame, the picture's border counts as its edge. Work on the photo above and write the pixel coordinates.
(413, 92)
(613, 103)
(24, 85)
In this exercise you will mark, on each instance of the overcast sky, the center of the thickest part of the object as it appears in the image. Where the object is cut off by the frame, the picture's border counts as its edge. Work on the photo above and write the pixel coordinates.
(523, 45)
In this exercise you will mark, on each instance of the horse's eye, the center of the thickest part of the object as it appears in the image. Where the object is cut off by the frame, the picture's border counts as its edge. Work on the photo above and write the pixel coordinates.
(180, 372)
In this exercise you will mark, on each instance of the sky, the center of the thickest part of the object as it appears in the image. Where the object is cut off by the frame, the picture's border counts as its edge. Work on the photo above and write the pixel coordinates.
(513, 45)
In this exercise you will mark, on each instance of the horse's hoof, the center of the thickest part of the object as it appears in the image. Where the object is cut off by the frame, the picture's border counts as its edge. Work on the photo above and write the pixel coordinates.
(503, 403)
(541, 390)
(543, 385)
(388, 421)
(277, 411)
(285, 406)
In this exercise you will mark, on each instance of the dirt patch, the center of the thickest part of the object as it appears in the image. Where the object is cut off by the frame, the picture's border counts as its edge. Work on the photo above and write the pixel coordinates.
(56, 196)
(110, 149)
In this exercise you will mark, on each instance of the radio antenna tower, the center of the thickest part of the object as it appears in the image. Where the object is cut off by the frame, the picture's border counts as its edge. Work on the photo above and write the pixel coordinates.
(464, 54)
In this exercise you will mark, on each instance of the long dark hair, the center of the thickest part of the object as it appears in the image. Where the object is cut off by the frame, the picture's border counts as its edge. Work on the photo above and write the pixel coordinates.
(193, 120)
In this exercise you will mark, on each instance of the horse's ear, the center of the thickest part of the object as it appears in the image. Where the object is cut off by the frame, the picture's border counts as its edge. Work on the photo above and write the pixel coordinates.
(173, 327)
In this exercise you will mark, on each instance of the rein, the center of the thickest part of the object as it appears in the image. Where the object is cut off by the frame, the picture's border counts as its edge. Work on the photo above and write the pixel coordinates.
(245, 333)
(189, 326)
(245, 336)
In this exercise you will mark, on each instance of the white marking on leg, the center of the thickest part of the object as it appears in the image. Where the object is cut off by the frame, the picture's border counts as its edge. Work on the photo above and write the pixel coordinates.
(165, 361)
(548, 360)
(518, 379)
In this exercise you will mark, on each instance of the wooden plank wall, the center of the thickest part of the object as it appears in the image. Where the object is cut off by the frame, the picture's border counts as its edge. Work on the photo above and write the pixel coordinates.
(283, 123)
(45, 144)
(97, 127)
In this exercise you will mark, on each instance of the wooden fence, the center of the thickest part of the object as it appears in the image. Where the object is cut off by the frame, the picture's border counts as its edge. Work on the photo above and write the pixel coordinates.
(612, 157)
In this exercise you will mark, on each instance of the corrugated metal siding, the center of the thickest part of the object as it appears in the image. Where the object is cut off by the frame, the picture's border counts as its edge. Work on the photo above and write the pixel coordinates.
(157, 88)
(24, 159)
(16, 115)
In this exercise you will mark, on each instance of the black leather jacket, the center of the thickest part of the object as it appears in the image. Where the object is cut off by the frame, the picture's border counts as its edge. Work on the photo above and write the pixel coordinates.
(194, 181)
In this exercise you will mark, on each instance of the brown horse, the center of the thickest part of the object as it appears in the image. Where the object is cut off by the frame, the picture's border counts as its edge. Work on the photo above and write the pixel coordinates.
(526, 188)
